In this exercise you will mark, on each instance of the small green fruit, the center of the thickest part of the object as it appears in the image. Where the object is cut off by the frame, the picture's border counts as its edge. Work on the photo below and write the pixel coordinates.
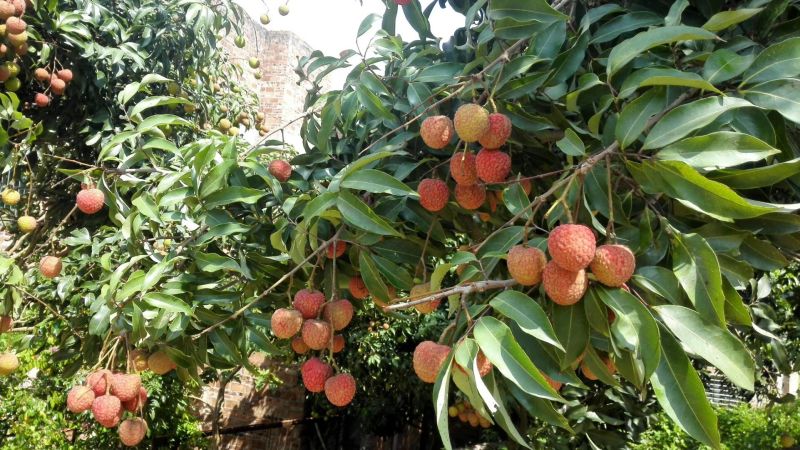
(173, 88)
(264, 19)
(13, 68)
(283, 10)
(239, 41)
(254, 62)
(257, 75)
(13, 84)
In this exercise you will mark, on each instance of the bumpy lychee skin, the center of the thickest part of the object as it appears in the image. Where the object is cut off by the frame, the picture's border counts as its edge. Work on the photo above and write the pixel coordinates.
(340, 389)
(587, 372)
(484, 365)
(314, 373)
(428, 359)
(15, 25)
(125, 386)
(133, 404)
(41, 100)
(492, 166)
(419, 291)
(281, 170)
(107, 410)
(50, 266)
(26, 224)
(462, 168)
(79, 399)
(8, 363)
(160, 363)
(338, 343)
(572, 246)
(433, 194)
(357, 288)
(98, 381)
(308, 302)
(90, 201)
(338, 313)
(6, 322)
(563, 286)
(526, 264)
(286, 322)
(138, 360)
(316, 333)
(471, 122)
(613, 265)
(299, 346)
(470, 197)
(498, 133)
(10, 197)
(132, 431)
(437, 131)
(336, 249)
(65, 75)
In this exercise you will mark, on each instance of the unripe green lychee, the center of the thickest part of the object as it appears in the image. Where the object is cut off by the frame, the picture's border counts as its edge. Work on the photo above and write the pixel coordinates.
(253, 62)
(314, 373)
(433, 194)
(526, 264)
(428, 360)
(492, 166)
(471, 121)
(13, 84)
(340, 389)
(308, 302)
(264, 19)
(286, 323)
(572, 246)
(462, 168)
(563, 286)
(239, 41)
(437, 131)
(613, 265)
(470, 196)
(225, 124)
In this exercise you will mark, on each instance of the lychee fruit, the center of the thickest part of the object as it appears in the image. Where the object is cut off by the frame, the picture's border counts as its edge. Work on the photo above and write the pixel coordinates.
(571, 246)
(437, 131)
(90, 200)
(383, 302)
(8, 363)
(470, 196)
(587, 372)
(336, 249)
(26, 224)
(107, 410)
(225, 125)
(125, 386)
(613, 265)
(132, 431)
(316, 333)
(484, 365)
(50, 266)
(41, 100)
(338, 343)
(6, 322)
(428, 360)
(433, 194)
(10, 197)
(299, 346)
(58, 86)
(133, 404)
(308, 302)
(17, 39)
(553, 383)
(19, 7)
(283, 9)
(138, 359)
(498, 133)
(421, 290)
(6, 10)
(492, 166)
(462, 168)
(314, 373)
(15, 25)
(340, 389)
(80, 399)
(357, 288)
(525, 264)
(471, 121)
(286, 322)
(98, 381)
(64, 75)
(160, 363)
(563, 286)
(280, 169)
(264, 19)
(338, 313)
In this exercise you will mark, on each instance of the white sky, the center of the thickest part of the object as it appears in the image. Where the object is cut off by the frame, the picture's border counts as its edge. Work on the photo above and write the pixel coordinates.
(331, 25)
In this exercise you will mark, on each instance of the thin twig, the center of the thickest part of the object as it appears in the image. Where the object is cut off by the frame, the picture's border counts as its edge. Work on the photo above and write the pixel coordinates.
(478, 286)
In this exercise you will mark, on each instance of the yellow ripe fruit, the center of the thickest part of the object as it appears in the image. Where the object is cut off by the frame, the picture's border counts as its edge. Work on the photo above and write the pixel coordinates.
(452, 411)
(471, 122)
(139, 360)
(8, 363)
(26, 224)
(283, 10)
(160, 363)
(526, 264)
(10, 197)
(613, 265)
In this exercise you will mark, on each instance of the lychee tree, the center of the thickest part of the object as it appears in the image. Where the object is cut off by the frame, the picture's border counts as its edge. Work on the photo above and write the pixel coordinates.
(621, 173)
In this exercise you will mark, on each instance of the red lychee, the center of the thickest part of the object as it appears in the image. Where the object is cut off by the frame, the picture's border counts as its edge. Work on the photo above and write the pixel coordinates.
(525, 264)
(280, 169)
(65, 75)
(314, 373)
(403, 2)
(308, 302)
(50, 266)
(336, 249)
(428, 360)
(493, 166)
(90, 200)
(471, 122)
(357, 288)
(613, 265)
(338, 343)
(316, 333)
(498, 133)
(571, 246)
(299, 346)
(433, 194)
(286, 322)
(340, 389)
(470, 196)
(57, 86)
(80, 399)
(98, 381)
(462, 168)
(437, 131)
(139, 400)
(484, 365)
(125, 386)
(132, 431)
(6, 322)
(41, 100)
(562, 286)
(338, 313)
(107, 410)
(553, 383)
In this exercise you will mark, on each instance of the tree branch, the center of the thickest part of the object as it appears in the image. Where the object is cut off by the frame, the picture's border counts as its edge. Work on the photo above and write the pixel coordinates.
(462, 289)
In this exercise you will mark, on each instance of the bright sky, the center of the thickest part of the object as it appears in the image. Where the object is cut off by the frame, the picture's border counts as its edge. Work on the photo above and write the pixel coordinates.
(331, 25)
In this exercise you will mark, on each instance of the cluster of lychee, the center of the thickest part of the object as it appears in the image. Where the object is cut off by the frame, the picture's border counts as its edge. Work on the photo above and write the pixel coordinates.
(225, 125)
(573, 249)
(467, 414)
(471, 172)
(311, 324)
(13, 28)
(57, 81)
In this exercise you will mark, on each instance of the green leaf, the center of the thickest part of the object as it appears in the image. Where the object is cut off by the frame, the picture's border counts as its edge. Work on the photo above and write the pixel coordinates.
(320, 204)
(439, 73)
(358, 214)
(373, 104)
(725, 64)
(780, 60)
(596, 364)
(725, 19)
(151, 102)
(718, 150)
(371, 276)
(571, 144)
(167, 302)
(396, 275)
(377, 182)
(735, 310)
(779, 95)
(500, 347)
(367, 23)
(572, 330)
(519, 19)
(147, 206)
(357, 165)
(635, 115)
(440, 402)
(500, 413)
(624, 24)
(757, 177)
(540, 408)
(211, 262)
(629, 49)
(687, 118)
(530, 317)
(711, 342)
(159, 120)
(695, 264)
(680, 392)
(762, 255)
(664, 77)
(660, 281)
